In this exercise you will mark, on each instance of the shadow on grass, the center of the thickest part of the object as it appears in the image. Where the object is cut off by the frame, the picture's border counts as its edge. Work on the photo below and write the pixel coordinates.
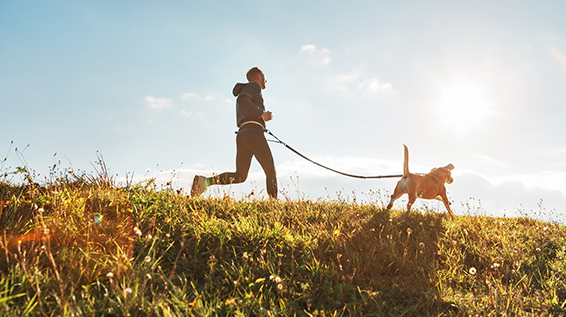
(392, 260)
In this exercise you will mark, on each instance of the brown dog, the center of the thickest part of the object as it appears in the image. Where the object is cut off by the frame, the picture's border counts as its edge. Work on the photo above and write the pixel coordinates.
(429, 186)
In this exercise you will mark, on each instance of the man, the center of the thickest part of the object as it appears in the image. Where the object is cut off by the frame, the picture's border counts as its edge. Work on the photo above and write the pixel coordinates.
(250, 141)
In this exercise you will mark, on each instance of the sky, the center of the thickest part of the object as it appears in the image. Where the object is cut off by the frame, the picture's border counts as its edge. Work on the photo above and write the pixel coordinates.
(146, 86)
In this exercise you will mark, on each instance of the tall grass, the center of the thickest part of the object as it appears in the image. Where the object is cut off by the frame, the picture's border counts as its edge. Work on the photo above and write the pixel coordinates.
(83, 245)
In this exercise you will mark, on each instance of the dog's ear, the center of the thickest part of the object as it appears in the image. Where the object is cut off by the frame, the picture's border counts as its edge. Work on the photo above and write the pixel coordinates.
(449, 167)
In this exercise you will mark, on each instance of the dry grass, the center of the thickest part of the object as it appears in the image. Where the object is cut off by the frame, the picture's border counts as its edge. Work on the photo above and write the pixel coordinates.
(85, 246)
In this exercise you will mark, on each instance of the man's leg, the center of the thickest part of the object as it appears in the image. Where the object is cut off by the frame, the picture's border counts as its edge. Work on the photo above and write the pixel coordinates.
(263, 155)
(243, 161)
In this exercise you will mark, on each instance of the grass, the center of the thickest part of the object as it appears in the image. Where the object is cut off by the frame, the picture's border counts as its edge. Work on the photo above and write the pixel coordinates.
(81, 245)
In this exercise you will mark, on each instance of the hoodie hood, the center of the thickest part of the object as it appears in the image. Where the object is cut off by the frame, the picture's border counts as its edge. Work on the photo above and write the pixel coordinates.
(238, 88)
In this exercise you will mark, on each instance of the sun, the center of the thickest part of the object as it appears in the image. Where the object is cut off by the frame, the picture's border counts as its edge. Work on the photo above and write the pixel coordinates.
(462, 106)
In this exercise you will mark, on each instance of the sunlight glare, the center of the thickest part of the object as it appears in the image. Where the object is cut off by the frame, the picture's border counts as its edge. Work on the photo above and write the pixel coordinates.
(462, 106)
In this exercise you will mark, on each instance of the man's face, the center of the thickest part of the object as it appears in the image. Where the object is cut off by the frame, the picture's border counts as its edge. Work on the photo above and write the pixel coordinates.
(261, 80)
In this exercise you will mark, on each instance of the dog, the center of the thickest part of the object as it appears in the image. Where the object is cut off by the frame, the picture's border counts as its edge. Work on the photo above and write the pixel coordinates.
(429, 186)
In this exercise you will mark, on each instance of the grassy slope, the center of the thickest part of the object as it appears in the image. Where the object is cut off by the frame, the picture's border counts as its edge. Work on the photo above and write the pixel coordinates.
(95, 249)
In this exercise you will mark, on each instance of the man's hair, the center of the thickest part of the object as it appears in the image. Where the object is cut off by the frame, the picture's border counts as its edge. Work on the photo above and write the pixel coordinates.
(252, 73)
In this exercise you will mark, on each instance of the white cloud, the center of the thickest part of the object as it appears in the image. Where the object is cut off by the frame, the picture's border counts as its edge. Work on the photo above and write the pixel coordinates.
(190, 96)
(158, 103)
(373, 85)
(318, 55)
(344, 83)
(194, 97)
(353, 81)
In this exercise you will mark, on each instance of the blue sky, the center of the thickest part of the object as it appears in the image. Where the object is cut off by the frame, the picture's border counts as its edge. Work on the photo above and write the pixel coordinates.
(479, 84)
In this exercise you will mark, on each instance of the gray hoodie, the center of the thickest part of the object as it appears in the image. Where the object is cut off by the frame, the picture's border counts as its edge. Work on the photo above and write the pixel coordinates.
(249, 104)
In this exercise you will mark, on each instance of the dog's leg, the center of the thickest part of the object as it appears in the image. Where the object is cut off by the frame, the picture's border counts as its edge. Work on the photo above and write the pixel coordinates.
(396, 194)
(412, 199)
(446, 202)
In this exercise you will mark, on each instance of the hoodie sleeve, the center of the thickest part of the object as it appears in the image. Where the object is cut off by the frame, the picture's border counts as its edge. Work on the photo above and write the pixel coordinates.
(249, 93)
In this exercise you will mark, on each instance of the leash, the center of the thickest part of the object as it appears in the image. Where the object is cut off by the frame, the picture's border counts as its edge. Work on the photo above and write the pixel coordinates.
(328, 168)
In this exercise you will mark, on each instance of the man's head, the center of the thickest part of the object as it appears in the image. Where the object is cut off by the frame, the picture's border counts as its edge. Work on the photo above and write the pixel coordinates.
(256, 75)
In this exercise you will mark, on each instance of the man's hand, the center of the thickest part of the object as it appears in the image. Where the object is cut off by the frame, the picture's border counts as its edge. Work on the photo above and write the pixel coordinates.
(266, 115)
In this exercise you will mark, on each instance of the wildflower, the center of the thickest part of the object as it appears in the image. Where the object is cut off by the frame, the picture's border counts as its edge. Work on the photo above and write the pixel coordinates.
(70, 171)
(148, 259)
(473, 270)
(110, 275)
(420, 224)
(421, 245)
(148, 276)
(409, 231)
(280, 286)
(149, 237)
(277, 279)
(137, 231)
(128, 291)
(271, 277)
(495, 266)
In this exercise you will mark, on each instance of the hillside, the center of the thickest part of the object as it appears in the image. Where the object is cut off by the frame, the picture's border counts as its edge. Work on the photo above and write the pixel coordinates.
(84, 246)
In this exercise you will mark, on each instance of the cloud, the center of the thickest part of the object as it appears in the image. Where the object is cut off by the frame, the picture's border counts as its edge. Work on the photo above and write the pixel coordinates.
(348, 83)
(344, 83)
(190, 96)
(471, 193)
(373, 85)
(317, 55)
(158, 103)
(196, 98)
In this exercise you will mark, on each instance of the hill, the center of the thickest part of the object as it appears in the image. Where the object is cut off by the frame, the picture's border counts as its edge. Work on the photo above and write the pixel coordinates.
(84, 246)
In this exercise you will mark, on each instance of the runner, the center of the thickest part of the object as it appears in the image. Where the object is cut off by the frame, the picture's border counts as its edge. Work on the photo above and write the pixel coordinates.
(250, 141)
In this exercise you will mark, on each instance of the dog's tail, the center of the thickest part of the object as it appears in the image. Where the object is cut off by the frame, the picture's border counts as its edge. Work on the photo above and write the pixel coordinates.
(406, 162)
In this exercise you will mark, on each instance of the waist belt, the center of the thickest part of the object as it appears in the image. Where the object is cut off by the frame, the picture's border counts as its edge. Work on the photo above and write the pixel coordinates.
(254, 122)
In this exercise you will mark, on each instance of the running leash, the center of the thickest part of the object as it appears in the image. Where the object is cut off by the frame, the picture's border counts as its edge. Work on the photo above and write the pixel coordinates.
(326, 167)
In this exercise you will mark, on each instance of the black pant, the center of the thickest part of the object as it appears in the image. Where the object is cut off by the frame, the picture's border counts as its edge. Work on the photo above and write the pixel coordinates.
(251, 142)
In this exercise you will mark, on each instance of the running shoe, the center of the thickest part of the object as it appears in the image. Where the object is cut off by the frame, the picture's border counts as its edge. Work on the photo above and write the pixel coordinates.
(199, 186)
